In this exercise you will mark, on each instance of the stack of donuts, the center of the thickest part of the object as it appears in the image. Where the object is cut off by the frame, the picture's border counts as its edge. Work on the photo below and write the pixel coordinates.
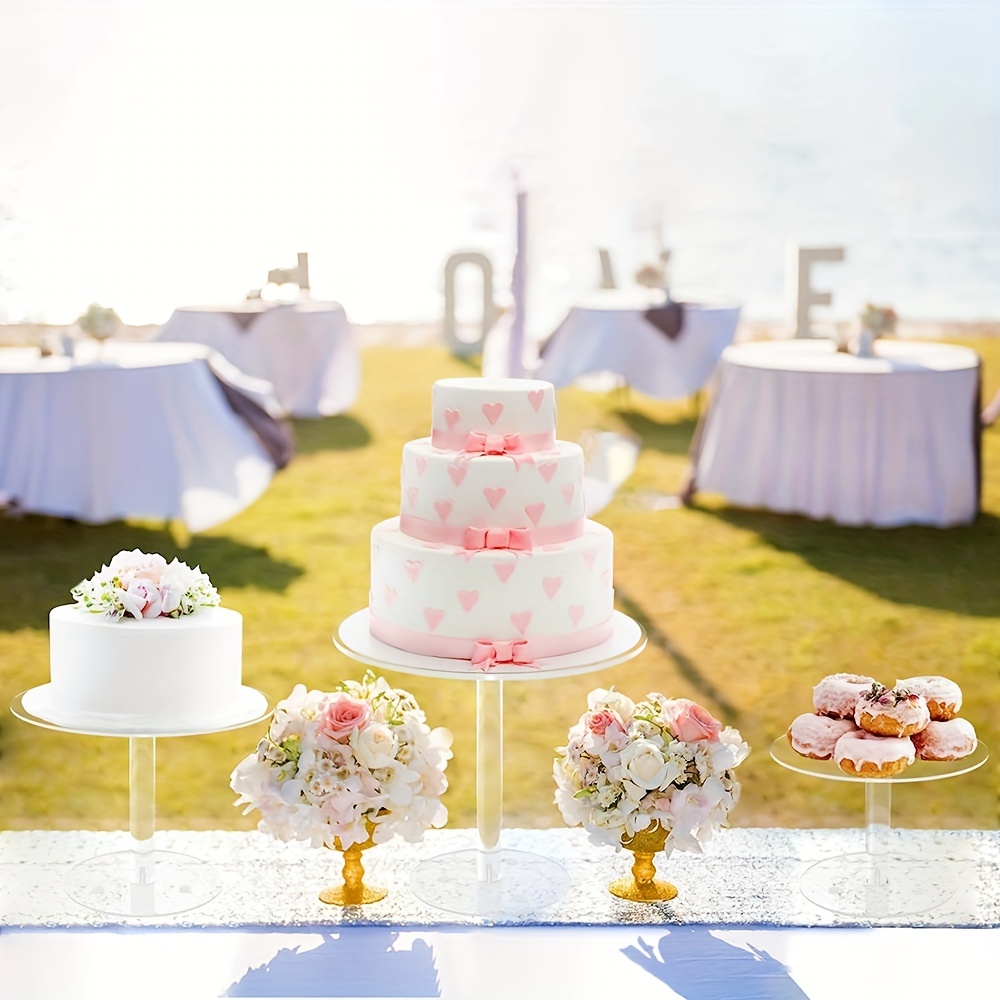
(872, 731)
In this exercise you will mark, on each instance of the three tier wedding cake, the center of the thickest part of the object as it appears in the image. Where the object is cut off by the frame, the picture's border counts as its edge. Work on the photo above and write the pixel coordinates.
(492, 558)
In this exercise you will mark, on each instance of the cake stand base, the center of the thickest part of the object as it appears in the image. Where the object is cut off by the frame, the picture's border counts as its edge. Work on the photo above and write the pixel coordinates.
(522, 883)
(114, 883)
(889, 885)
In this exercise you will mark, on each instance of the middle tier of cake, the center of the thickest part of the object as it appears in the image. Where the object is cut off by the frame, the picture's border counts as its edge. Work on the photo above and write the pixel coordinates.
(445, 493)
(439, 599)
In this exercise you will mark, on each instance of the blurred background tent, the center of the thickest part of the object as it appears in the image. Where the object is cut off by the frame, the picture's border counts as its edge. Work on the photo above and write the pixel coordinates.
(156, 154)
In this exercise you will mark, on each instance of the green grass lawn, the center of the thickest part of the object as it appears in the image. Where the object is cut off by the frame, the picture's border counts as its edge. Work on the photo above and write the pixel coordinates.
(745, 612)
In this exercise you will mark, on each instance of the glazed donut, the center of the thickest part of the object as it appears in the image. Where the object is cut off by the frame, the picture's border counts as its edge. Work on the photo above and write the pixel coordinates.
(866, 756)
(943, 696)
(837, 694)
(816, 735)
(951, 739)
(896, 712)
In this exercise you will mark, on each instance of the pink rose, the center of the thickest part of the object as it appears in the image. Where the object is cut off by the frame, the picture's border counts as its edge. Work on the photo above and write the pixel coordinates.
(598, 722)
(343, 715)
(141, 599)
(689, 722)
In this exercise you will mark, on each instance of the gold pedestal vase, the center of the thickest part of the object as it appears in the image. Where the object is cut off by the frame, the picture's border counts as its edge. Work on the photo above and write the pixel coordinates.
(353, 891)
(643, 886)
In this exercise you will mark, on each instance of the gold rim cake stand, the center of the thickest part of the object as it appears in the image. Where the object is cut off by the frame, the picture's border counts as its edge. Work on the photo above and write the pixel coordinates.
(489, 881)
(880, 881)
(141, 881)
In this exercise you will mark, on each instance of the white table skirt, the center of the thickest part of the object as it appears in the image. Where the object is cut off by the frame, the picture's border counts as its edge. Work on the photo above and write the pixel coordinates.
(798, 428)
(609, 333)
(307, 350)
(142, 431)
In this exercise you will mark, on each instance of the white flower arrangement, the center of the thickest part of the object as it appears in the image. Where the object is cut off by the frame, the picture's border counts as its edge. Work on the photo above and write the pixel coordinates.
(333, 763)
(881, 320)
(145, 585)
(628, 765)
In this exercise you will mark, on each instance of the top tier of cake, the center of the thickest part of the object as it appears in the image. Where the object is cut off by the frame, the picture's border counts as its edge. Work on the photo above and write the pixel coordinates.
(464, 408)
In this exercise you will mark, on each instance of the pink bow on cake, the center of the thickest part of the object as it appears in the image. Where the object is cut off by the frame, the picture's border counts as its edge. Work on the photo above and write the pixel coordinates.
(478, 443)
(488, 654)
(498, 538)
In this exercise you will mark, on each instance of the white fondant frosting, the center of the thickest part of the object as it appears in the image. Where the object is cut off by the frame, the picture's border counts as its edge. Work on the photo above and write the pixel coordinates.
(187, 668)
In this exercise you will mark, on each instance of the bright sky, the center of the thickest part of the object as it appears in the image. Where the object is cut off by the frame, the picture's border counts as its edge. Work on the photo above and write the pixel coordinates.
(159, 154)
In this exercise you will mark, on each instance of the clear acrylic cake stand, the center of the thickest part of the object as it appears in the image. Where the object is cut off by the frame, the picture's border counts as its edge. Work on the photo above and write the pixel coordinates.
(879, 882)
(489, 881)
(142, 881)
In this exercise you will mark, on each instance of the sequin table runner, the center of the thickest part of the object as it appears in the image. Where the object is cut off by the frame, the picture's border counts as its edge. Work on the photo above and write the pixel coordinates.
(745, 877)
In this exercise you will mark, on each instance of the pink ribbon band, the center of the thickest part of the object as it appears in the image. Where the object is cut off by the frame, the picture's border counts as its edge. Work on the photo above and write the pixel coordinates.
(454, 648)
(519, 538)
(498, 538)
(460, 441)
(492, 444)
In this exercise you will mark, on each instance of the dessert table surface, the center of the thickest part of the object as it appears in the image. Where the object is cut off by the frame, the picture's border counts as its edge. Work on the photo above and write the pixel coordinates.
(307, 350)
(739, 926)
(608, 332)
(160, 431)
(799, 428)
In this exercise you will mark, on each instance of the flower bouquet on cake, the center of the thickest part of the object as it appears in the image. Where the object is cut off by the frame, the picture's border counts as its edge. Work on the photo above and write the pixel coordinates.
(347, 769)
(649, 776)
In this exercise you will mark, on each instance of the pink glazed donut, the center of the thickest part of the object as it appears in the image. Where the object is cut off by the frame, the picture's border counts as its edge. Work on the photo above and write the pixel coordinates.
(815, 736)
(951, 739)
(943, 696)
(837, 694)
(866, 756)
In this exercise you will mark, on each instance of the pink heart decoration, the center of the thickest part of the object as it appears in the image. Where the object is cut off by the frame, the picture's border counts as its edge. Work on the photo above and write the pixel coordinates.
(535, 397)
(457, 473)
(390, 594)
(535, 511)
(504, 570)
(589, 557)
(521, 620)
(413, 569)
(443, 507)
(575, 613)
(411, 496)
(494, 495)
(492, 411)
(433, 617)
(452, 417)
(468, 598)
(606, 578)
(552, 585)
(567, 491)
(547, 470)
(421, 464)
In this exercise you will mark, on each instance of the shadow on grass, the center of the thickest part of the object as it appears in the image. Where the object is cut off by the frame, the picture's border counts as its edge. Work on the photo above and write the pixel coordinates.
(673, 438)
(949, 569)
(46, 556)
(339, 433)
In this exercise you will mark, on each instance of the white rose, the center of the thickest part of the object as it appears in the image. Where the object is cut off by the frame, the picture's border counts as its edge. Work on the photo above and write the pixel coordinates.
(375, 745)
(643, 764)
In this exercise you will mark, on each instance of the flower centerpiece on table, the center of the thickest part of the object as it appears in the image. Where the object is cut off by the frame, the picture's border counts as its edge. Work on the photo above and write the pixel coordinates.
(337, 768)
(661, 763)
(881, 320)
(145, 585)
(99, 322)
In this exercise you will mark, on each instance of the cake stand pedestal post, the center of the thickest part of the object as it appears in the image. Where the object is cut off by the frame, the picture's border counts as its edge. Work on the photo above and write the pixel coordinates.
(489, 777)
(142, 820)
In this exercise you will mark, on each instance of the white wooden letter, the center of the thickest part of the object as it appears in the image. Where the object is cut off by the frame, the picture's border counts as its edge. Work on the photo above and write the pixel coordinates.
(459, 347)
(802, 295)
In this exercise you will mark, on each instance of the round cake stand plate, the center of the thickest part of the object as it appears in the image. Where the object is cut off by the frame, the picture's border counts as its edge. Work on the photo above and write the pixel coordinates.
(881, 886)
(113, 883)
(525, 883)
(354, 638)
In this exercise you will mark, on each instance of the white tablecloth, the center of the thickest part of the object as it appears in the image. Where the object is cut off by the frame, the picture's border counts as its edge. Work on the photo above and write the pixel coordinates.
(306, 350)
(609, 333)
(796, 427)
(142, 431)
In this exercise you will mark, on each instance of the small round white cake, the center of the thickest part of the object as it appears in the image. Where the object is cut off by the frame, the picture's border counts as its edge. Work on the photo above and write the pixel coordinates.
(186, 669)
